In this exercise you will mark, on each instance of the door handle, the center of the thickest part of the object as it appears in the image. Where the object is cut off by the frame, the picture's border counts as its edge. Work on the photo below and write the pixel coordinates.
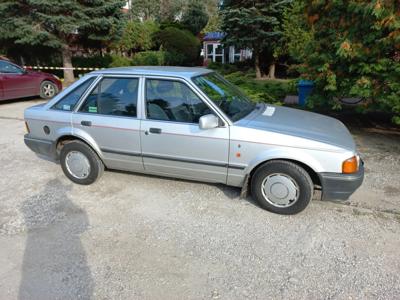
(155, 130)
(86, 123)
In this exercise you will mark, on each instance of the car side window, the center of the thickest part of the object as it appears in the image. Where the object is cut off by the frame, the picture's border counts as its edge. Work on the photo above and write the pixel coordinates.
(69, 101)
(8, 68)
(171, 100)
(113, 96)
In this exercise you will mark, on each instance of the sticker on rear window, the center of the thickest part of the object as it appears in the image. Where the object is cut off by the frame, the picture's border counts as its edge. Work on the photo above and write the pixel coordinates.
(269, 111)
(93, 109)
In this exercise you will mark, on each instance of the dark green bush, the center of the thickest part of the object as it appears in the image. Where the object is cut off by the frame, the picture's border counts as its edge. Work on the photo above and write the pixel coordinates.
(182, 46)
(95, 61)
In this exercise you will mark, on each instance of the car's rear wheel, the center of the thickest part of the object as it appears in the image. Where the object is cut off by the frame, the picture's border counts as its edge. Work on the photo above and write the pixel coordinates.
(48, 90)
(282, 187)
(80, 163)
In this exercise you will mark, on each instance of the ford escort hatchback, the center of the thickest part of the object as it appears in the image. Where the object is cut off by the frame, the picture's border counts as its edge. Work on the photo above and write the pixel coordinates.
(191, 123)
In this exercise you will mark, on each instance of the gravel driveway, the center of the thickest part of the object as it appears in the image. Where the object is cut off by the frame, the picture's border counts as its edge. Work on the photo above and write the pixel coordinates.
(130, 236)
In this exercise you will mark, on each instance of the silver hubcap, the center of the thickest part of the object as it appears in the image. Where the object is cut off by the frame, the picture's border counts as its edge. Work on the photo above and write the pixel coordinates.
(280, 190)
(49, 90)
(77, 164)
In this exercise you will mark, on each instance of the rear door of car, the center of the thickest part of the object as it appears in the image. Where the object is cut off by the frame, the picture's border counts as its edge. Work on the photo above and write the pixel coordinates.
(108, 114)
(172, 142)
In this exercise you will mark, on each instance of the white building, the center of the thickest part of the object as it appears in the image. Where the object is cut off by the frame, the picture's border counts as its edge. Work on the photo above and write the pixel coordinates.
(213, 50)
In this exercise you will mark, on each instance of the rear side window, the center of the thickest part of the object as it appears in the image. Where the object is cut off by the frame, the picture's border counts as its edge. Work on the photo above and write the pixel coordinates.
(69, 101)
(113, 96)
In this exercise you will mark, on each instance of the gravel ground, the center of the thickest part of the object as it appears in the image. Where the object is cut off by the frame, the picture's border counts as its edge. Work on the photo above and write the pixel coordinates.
(130, 236)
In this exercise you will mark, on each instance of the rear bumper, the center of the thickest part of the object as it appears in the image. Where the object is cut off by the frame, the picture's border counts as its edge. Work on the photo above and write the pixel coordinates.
(336, 186)
(39, 146)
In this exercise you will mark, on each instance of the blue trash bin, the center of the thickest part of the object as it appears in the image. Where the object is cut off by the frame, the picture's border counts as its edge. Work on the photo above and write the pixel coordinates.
(305, 89)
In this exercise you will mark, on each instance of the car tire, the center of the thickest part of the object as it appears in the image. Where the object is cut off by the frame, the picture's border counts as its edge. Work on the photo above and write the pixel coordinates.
(282, 187)
(80, 163)
(48, 89)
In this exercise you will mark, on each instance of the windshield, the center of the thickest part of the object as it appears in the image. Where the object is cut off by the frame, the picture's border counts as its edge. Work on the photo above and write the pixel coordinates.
(225, 95)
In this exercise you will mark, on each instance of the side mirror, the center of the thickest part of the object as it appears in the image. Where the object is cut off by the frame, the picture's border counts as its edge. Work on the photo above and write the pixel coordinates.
(208, 122)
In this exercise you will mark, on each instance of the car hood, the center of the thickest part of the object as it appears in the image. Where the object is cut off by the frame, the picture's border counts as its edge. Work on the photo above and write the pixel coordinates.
(301, 124)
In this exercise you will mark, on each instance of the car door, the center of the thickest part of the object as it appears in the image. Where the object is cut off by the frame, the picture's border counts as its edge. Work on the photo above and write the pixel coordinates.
(17, 83)
(108, 115)
(172, 142)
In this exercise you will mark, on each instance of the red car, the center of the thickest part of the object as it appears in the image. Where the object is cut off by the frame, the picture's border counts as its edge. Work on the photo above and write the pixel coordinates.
(16, 82)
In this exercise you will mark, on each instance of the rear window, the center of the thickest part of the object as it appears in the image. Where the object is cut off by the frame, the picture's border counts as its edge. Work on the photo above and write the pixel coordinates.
(69, 101)
(114, 97)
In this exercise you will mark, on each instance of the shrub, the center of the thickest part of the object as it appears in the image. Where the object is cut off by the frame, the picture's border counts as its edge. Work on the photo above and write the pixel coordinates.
(119, 61)
(269, 91)
(182, 46)
(149, 58)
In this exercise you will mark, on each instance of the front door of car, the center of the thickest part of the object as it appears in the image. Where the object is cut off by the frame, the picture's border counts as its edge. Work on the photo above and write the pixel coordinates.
(108, 116)
(172, 142)
(17, 83)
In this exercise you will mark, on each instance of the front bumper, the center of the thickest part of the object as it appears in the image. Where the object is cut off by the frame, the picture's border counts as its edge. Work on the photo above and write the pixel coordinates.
(39, 146)
(337, 186)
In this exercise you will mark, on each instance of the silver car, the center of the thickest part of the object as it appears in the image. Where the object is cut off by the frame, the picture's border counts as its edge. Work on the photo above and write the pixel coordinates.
(191, 123)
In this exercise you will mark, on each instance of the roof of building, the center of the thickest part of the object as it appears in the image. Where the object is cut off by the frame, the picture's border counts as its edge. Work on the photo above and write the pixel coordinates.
(214, 36)
(186, 72)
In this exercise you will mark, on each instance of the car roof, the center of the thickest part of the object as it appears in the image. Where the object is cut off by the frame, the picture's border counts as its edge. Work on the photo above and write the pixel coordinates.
(187, 72)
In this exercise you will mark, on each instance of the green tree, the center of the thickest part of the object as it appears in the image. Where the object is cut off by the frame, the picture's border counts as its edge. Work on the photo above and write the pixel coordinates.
(159, 10)
(355, 52)
(195, 16)
(297, 33)
(137, 36)
(214, 20)
(58, 24)
(145, 9)
(255, 25)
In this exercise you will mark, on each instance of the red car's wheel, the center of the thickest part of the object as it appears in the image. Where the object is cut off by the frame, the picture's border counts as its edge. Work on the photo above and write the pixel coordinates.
(48, 90)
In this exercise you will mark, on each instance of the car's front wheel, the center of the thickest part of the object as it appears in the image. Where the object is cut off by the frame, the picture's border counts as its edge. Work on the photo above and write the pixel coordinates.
(282, 187)
(48, 90)
(80, 163)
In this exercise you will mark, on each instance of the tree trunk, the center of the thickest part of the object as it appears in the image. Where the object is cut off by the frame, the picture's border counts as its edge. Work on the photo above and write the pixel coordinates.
(67, 64)
(271, 71)
(257, 64)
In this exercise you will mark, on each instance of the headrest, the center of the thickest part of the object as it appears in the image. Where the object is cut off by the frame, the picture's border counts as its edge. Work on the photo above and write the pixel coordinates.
(164, 86)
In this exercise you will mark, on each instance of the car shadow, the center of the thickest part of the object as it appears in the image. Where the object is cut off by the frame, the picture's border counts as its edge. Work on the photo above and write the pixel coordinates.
(54, 263)
(233, 193)
(33, 99)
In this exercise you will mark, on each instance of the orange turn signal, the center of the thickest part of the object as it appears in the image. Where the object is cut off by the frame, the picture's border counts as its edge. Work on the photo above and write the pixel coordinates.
(350, 165)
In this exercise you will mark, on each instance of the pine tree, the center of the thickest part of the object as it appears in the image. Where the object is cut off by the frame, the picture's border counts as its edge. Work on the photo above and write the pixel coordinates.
(59, 24)
(195, 16)
(255, 25)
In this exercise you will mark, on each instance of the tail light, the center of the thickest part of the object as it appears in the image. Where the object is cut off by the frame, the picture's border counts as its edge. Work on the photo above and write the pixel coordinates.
(350, 165)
